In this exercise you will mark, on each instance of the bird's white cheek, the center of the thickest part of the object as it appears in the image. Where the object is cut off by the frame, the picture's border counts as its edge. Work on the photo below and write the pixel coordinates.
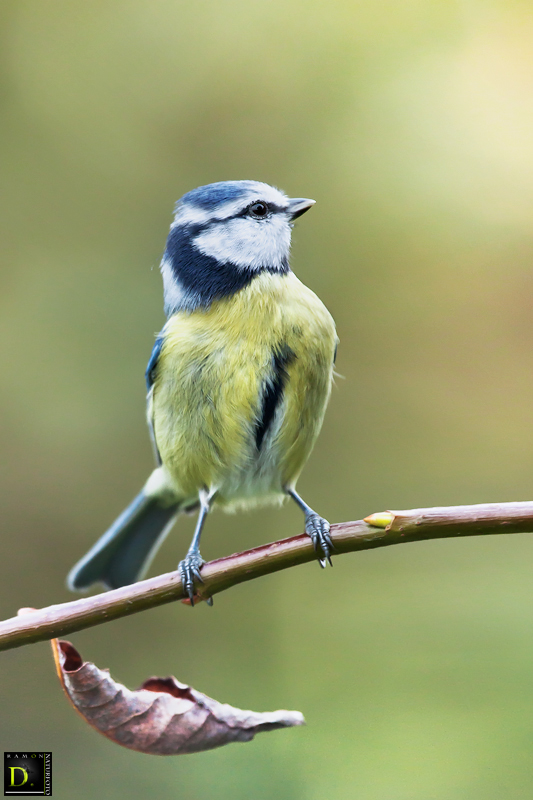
(173, 293)
(247, 243)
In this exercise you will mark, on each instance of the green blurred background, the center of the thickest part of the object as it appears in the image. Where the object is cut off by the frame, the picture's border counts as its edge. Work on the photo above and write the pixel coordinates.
(410, 123)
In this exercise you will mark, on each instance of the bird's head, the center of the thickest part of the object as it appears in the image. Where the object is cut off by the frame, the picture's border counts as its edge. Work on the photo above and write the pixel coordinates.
(223, 235)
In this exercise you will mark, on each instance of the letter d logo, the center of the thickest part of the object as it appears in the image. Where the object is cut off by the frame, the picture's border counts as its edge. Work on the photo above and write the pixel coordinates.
(24, 776)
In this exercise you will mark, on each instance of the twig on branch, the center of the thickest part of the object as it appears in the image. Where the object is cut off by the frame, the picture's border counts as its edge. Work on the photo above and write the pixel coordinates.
(377, 530)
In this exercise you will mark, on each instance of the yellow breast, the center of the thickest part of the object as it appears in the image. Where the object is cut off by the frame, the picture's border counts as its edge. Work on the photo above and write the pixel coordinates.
(210, 382)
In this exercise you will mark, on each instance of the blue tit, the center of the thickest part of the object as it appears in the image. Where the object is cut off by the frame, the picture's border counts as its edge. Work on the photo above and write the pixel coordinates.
(238, 380)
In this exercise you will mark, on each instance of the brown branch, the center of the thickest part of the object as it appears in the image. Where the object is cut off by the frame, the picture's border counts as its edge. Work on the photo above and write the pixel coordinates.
(379, 530)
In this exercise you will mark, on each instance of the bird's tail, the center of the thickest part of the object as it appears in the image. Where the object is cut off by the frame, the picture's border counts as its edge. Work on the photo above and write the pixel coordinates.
(122, 554)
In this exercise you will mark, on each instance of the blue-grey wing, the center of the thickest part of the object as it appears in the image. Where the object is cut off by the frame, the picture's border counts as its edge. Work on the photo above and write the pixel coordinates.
(150, 377)
(152, 363)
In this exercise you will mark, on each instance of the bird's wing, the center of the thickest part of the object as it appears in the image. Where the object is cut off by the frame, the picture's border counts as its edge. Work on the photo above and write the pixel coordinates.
(152, 363)
(150, 377)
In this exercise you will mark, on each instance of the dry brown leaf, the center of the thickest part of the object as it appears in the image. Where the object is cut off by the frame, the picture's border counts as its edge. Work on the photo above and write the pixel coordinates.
(164, 716)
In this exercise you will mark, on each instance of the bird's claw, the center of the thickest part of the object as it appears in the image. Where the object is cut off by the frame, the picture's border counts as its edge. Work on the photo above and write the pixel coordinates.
(318, 529)
(189, 569)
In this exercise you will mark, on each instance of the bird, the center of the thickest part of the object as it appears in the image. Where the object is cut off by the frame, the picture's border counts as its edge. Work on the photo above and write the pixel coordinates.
(238, 380)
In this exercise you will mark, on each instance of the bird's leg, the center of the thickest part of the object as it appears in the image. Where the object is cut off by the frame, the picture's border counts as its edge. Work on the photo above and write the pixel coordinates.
(317, 528)
(193, 562)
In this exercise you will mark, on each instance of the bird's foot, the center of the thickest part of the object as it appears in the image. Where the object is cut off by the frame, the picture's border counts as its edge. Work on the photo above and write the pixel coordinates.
(189, 569)
(318, 529)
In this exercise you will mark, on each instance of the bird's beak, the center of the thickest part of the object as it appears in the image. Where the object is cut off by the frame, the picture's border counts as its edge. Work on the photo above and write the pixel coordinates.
(298, 206)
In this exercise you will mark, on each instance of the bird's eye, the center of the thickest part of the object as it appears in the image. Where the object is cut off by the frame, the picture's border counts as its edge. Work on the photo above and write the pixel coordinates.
(259, 210)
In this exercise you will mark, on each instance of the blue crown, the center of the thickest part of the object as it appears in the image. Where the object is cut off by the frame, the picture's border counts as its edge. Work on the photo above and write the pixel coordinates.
(211, 195)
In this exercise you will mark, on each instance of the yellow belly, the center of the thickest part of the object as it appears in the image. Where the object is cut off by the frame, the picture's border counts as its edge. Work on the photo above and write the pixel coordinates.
(209, 384)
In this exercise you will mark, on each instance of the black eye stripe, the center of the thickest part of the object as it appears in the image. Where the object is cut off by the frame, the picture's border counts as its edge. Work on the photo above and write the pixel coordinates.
(196, 228)
(272, 209)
